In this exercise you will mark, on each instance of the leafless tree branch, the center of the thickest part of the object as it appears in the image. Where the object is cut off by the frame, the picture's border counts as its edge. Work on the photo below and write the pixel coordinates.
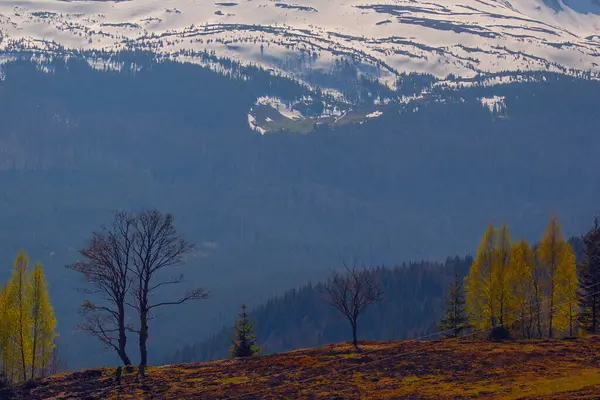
(198, 294)
(106, 267)
(157, 247)
(351, 293)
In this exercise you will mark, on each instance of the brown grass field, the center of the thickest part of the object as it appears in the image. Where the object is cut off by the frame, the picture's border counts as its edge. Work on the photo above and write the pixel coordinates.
(453, 369)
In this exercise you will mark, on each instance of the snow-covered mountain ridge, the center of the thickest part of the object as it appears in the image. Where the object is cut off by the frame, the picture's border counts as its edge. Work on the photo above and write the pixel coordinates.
(462, 37)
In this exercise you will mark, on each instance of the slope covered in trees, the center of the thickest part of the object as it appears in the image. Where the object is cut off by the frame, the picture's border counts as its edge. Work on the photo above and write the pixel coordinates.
(416, 297)
(301, 317)
(278, 210)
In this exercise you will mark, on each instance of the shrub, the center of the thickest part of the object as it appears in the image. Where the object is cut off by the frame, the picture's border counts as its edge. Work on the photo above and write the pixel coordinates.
(499, 333)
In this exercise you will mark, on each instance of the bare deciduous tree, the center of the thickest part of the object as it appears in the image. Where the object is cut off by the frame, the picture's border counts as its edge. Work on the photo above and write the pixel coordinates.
(57, 362)
(157, 248)
(351, 293)
(106, 267)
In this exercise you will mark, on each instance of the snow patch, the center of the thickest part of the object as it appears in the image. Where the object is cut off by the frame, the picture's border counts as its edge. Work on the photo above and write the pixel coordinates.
(254, 126)
(495, 104)
(282, 107)
(375, 114)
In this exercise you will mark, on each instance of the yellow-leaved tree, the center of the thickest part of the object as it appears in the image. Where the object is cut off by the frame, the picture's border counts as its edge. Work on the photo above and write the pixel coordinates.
(488, 285)
(19, 296)
(43, 323)
(566, 290)
(7, 326)
(480, 301)
(557, 260)
(525, 285)
(501, 276)
(27, 322)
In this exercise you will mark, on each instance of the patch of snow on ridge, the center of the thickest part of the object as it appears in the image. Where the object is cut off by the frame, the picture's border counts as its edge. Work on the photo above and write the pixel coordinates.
(254, 126)
(105, 65)
(374, 114)
(278, 104)
(495, 104)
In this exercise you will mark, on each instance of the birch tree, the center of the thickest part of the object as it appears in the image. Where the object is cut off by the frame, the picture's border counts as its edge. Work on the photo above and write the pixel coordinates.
(43, 323)
(525, 299)
(501, 276)
(557, 263)
(19, 298)
(480, 296)
(566, 290)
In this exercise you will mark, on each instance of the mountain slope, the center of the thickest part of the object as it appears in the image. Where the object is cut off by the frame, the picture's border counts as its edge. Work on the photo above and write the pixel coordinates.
(463, 37)
(271, 212)
(300, 318)
(549, 369)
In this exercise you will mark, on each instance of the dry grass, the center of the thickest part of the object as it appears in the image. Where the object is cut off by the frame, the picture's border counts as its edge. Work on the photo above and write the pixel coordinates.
(556, 369)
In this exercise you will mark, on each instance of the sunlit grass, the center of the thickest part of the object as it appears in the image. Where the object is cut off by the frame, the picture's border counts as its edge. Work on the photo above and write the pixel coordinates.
(402, 370)
(234, 380)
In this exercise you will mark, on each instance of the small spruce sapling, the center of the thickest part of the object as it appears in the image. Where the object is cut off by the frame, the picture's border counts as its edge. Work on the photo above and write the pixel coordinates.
(454, 322)
(244, 344)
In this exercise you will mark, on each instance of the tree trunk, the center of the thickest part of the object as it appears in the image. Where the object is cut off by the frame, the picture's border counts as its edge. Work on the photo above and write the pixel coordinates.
(594, 301)
(123, 337)
(143, 337)
(354, 338)
(539, 317)
(551, 315)
(570, 320)
(22, 345)
(34, 351)
(523, 320)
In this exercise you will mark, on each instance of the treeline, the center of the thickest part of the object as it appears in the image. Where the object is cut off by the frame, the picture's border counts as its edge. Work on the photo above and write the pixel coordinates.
(522, 291)
(413, 302)
(300, 318)
(27, 324)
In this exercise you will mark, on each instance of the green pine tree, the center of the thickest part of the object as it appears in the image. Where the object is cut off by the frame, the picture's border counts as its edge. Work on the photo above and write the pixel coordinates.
(454, 321)
(589, 278)
(244, 344)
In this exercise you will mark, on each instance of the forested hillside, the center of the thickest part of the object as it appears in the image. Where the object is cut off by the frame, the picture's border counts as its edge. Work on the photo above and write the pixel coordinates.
(301, 318)
(271, 212)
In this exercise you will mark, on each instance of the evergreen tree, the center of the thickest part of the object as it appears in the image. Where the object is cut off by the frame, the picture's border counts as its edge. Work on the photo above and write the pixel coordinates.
(589, 277)
(244, 344)
(454, 321)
